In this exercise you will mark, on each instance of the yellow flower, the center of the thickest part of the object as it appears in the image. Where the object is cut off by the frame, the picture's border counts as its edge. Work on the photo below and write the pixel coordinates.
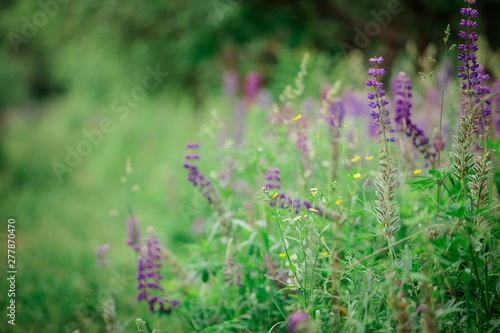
(274, 195)
(416, 172)
(322, 238)
(297, 118)
(338, 202)
(325, 253)
(282, 255)
(355, 159)
(318, 135)
(369, 158)
(345, 126)
(356, 176)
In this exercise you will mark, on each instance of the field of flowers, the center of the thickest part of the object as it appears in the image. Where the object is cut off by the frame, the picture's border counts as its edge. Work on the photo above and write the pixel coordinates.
(371, 208)
(355, 197)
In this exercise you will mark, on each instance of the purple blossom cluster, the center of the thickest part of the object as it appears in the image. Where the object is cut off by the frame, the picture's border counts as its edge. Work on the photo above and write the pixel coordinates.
(336, 114)
(275, 273)
(196, 178)
(102, 254)
(133, 231)
(284, 202)
(378, 102)
(273, 179)
(403, 117)
(231, 272)
(471, 77)
(149, 277)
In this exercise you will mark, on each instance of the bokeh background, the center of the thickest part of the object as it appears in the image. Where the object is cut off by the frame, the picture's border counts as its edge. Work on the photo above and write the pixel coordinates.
(67, 65)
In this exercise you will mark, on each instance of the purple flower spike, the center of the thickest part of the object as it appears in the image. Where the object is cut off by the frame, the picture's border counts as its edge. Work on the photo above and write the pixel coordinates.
(133, 231)
(273, 178)
(403, 118)
(252, 85)
(102, 254)
(379, 113)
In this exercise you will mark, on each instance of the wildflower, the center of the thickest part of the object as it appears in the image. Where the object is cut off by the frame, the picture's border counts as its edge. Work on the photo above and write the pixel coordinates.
(369, 158)
(252, 85)
(355, 159)
(281, 255)
(298, 117)
(231, 272)
(324, 253)
(403, 118)
(386, 184)
(275, 195)
(133, 230)
(273, 178)
(416, 172)
(378, 102)
(276, 274)
(101, 254)
(338, 202)
(298, 322)
(318, 135)
(356, 175)
(463, 158)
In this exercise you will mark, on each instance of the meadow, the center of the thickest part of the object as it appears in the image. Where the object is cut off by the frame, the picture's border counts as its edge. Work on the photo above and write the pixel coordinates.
(337, 196)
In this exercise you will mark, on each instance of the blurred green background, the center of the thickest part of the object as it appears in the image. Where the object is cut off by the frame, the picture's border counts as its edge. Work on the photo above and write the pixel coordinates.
(65, 64)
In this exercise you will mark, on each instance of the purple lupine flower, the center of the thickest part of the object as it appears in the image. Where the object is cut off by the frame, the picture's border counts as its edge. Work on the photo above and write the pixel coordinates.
(275, 273)
(231, 272)
(230, 83)
(378, 102)
(197, 179)
(485, 112)
(298, 322)
(403, 117)
(133, 231)
(273, 178)
(336, 114)
(102, 254)
(149, 277)
(252, 85)
(467, 72)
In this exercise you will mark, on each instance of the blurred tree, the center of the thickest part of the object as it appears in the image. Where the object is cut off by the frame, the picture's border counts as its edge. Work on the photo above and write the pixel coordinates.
(98, 48)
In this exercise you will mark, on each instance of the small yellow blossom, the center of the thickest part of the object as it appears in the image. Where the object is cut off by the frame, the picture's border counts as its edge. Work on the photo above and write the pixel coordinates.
(356, 176)
(416, 172)
(298, 117)
(369, 158)
(345, 126)
(355, 159)
(282, 255)
(325, 253)
(274, 195)
(318, 135)
(322, 238)
(338, 202)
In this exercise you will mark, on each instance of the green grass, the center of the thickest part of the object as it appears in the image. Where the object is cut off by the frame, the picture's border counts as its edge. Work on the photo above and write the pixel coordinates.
(60, 224)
